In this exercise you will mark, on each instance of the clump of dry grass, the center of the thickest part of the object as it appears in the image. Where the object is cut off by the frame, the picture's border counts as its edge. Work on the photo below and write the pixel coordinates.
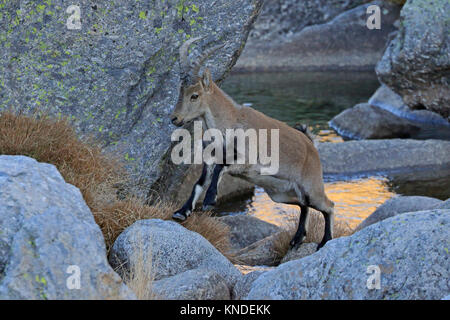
(54, 141)
(83, 164)
(314, 233)
(140, 277)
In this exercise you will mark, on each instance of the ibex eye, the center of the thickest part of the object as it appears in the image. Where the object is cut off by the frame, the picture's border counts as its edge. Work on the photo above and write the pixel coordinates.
(194, 96)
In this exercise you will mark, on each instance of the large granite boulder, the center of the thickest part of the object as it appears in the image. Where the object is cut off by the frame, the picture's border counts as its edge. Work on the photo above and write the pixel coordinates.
(117, 77)
(364, 121)
(385, 98)
(415, 64)
(386, 116)
(168, 249)
(50, 245)
(242, 287)
(245, 230)
(388, 156)
(196, 284)
(400, 205)
(407, 253)
(263, 252)
(317, 35)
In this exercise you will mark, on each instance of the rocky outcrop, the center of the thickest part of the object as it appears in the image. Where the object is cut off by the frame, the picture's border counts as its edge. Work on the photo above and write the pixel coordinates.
(49, 239)
(410, 251)
(444, 205)
(260, 253)
(317, 35)
(415, 65)
(400, 205)
(242, 287)
(168, 249)
(245, 230)
(386, 116)
(388, 156)
(117, 77)
(305, 249)
(386, 99)
(197, 284)
(364, 121)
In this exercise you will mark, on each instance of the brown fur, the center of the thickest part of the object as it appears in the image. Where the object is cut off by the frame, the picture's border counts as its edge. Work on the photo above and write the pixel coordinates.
(299, 178)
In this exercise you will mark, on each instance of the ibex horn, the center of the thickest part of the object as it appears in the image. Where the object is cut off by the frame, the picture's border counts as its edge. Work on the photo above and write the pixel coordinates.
(198, 64)
(184, 60)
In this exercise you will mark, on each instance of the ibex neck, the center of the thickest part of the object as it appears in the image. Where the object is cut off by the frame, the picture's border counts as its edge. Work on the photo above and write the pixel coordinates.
(222, 110)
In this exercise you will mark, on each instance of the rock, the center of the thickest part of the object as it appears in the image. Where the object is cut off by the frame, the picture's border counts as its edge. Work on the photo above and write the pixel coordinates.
(410, 250)
(446, 297)
(262, 252)
(168, 249)
(416, 61)
(364, 121)
(398, 205)
(117, 77)
(245, 230)
(305, 249)
(242, 287)
(385, 98)
(443, 205)
(387, 156)
(317, 35)
(47, 236)
(197, 284)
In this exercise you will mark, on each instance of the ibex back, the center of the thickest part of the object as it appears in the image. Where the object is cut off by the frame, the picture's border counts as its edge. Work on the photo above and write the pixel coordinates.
(299, 178)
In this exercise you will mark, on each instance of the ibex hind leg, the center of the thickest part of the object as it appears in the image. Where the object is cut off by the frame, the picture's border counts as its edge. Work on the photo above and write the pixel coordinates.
(328, 213)
(300, 234)
(302, 226)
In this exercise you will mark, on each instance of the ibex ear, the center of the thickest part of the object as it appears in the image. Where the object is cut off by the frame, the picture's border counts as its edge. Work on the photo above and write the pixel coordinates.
(206, 80)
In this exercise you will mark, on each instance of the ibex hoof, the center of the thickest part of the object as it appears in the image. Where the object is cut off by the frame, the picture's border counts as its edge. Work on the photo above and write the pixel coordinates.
(180, 216)
(207, 207)
(320, 245)
(295, 242)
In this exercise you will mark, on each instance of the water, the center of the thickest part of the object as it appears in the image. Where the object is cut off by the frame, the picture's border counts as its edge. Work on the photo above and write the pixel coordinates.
(314, 98)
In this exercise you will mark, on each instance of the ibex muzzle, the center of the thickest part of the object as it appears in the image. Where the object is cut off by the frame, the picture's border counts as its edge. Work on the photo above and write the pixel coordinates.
(298, 180)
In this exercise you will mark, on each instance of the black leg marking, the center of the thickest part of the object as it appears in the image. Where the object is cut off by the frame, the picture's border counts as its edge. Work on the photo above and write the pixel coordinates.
(302, 225)
(188, 207)
(328, 232)
(210, 199)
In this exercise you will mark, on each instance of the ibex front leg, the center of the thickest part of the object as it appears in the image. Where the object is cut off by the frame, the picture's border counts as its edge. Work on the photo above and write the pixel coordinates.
(189, 206)
(211, 195)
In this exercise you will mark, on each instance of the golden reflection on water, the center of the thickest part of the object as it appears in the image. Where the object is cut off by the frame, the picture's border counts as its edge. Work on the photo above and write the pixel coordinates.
(354, 200)
(328, 135)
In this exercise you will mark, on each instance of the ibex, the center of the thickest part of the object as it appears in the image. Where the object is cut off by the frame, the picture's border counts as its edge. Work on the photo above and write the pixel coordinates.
(299, 178)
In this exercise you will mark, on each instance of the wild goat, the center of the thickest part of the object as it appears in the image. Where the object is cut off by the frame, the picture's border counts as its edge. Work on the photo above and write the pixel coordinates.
(299, 178)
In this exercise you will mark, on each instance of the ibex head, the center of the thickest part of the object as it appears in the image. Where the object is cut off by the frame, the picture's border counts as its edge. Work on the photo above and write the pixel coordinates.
(191, 101)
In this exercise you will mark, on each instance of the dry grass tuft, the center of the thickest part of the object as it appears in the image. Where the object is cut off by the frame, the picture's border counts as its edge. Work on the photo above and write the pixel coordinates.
(314, 232)
(85, 166)
(55, 141)
(141, 276)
